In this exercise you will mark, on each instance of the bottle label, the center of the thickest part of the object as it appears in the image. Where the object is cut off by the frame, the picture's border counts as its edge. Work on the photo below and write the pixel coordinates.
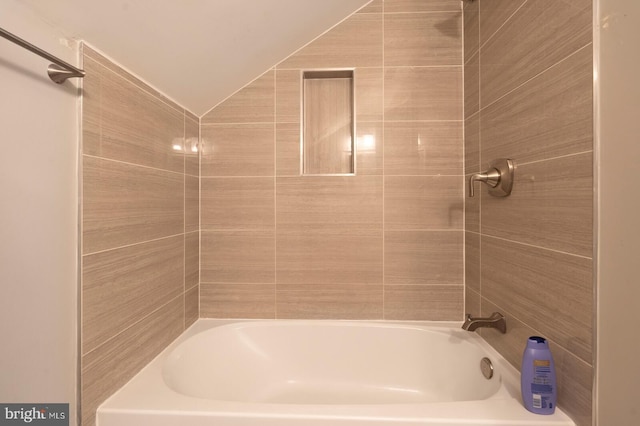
(542, 388)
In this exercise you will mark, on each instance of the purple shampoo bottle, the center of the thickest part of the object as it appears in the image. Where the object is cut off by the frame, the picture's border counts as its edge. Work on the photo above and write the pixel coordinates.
(538, 377)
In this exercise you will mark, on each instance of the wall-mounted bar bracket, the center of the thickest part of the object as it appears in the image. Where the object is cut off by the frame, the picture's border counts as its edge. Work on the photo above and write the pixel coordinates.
(59, 71)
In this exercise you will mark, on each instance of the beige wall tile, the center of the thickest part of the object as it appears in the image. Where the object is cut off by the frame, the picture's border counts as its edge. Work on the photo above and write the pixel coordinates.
(549, 116)
(238, 150)
(539, 35)
(191, 259)
(191, 306)
(472, 261)
(472, 86)
(91, 101)
(191, 116)
(423, 39)
(245, 257)
(355, 302)
(419, 148)
(472, 144)
(356, 42)
(551, 206)
(135, 127)
(191, 203)
(237, 300)
(288, 96)
(329, 255)
(90, 53)
(471, 15)
(423, 257)
(192, 138)
(471, 302)
(255, 103)
(369, 147)
(423, 93)
(369, 105)
(114, 363)
(369, 143)
(423, 302)
(549, 291)
(237, 203)
(493, 14)
(124, 204)
(423, 202)
(399, 6)
(288, 149)
(308, 201)
(122, 286)
(574, 375)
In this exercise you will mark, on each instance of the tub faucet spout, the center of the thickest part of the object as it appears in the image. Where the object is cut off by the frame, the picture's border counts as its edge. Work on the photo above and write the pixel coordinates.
(496, 320)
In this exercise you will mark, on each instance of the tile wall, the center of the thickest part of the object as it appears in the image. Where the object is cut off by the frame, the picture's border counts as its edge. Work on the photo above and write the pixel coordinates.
(387, 243)
(140, 214)
(528, 96)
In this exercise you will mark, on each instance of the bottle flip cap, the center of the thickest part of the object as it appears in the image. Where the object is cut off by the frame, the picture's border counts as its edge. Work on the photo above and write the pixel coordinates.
(537, 342)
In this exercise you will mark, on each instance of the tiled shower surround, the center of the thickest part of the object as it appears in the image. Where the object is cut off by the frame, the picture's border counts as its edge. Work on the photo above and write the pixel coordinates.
(397, 241)
(528, 96)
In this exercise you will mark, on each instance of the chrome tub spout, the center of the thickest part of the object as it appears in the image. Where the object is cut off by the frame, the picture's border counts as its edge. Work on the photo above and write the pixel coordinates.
(496, 320)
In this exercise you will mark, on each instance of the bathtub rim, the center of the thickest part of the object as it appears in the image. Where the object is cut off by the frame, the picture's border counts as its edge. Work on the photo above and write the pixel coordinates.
(134, 399)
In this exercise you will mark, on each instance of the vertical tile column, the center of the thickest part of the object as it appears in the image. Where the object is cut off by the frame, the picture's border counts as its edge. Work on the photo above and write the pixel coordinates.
(329, 228)
(139, 227)
(238, 204)
(423, 160)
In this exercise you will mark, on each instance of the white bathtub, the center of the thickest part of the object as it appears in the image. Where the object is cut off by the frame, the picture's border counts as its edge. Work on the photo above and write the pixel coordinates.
(299, 373)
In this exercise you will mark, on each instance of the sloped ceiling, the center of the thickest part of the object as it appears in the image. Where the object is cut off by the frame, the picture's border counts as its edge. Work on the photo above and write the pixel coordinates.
(197, 52)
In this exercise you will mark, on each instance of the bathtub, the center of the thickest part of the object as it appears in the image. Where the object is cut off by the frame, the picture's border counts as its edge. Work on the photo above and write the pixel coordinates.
(299, 373)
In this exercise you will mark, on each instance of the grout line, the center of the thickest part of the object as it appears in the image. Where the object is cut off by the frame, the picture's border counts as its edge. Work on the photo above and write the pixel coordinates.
(542, 160)
(184, 227)
(421, 12)
(200, 149)
(532, 78)
(132, 245)
(214, 125)
(479, 53)
(133, 164)
(458, 65)
(233, 124)
(275, 193)
(254, 230)
(420, 121)
(237, 177)
(480, 44)
(536, 246)
(464, 199)
(384, 69)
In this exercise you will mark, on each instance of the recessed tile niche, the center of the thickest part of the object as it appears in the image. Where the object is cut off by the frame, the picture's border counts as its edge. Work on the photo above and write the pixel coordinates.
(327, 133)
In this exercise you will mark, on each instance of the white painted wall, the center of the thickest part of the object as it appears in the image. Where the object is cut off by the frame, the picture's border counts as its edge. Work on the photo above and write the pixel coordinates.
(618, 274)
(38, 218)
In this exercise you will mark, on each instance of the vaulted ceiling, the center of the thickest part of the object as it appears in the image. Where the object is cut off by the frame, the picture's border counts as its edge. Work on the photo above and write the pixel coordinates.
(197, 52)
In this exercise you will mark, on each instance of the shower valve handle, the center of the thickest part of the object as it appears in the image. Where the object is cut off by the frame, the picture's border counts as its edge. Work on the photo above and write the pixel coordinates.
(499, 178)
